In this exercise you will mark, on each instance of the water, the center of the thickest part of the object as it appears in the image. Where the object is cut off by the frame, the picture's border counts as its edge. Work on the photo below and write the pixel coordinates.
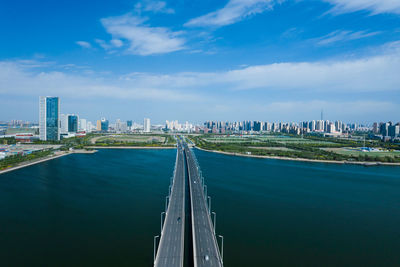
(104, 209)
(98, 210)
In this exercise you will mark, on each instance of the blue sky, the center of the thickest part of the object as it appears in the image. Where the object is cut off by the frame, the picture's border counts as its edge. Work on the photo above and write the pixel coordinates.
(202, 60)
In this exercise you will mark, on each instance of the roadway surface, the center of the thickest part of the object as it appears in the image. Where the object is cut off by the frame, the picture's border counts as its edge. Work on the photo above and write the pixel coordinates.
(171, 248)
(205, 248)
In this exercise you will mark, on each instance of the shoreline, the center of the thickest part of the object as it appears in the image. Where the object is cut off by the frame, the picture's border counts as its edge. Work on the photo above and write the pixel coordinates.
(77, 151)
(363, 163)
(40, 160)
(30, 163)
(132, 147)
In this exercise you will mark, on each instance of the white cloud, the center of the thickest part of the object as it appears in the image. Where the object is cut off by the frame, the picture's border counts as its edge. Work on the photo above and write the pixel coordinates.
(364, 77)
(154, 6)
(143, 39)
(343, 36)
(374, 6)
(104, 44)
(377, 73)
(116, 42)
(84, 44)
(16, 79)
(237, 10)
(232, 12)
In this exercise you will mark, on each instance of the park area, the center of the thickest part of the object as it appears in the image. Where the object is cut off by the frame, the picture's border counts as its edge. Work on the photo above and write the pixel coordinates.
(133, 140)
(353, 151)
(305, 147)
(282, 139)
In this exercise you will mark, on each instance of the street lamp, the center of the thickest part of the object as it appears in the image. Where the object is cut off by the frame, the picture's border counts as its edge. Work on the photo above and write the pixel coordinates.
(166, 202)
(222, 248)
(215, 220)
(162, 213)
(154, 247)
(209, 205)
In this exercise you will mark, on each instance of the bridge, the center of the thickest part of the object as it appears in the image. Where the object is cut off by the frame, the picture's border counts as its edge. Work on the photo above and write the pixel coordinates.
(188, 235)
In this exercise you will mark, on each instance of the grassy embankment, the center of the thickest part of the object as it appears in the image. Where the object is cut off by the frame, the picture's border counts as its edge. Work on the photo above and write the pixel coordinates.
(128, 140)
(154, 140)
(12, 161)
(309, 147)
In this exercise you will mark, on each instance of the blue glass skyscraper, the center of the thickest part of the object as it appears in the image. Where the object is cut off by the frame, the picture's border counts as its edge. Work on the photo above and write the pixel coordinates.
(104, 125)
(49, 118)
(72, 123)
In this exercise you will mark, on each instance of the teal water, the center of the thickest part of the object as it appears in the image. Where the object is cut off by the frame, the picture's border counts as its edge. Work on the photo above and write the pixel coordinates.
(85, 210)
(104, 209)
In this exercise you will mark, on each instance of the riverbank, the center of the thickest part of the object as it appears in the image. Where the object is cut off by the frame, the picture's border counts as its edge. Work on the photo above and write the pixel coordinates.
(83, 151)
(57, 154)
(132, 147)
(364, 163)
(36, 161)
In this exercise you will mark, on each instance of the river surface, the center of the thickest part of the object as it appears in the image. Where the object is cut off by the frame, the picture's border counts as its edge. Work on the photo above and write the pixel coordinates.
(103, 209)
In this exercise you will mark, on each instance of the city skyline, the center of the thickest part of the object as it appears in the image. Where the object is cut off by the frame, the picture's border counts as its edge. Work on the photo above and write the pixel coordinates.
(227, 60)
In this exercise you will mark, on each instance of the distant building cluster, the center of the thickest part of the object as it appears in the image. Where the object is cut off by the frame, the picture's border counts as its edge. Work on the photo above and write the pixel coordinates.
(386, 131)
(175, 126)
(284, 127)
(55, 126)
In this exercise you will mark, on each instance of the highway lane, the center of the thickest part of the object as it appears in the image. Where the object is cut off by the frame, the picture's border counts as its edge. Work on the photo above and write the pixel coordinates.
(205, 248)
(171, 247)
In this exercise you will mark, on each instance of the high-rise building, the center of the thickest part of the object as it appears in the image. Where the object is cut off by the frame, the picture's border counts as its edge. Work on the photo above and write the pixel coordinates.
(72, 123)
(146, 125)
(338, 126)
(384, 128)
(49, 118)
(257, 126)
(89, 126)
(63, 123)
(129, 123)
(98, 125)
(330, 128)
(82, 125)
(104, 125)
(121, 126)
(321, 125)
(394, 130)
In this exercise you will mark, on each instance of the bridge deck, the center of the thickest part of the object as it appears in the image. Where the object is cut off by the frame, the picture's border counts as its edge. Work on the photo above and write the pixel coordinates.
(171, 248)
(205, 248)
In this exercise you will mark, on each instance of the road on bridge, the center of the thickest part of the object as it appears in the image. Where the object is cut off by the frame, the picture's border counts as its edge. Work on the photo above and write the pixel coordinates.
(171, 248)
(189, 242)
